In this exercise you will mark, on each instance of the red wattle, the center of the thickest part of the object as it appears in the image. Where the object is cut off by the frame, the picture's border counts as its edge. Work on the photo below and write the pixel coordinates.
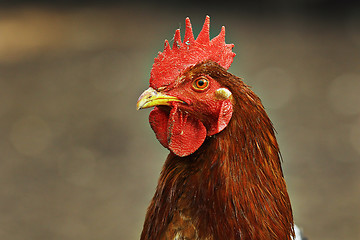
(186, 133)
(178, 130)
(158, 119)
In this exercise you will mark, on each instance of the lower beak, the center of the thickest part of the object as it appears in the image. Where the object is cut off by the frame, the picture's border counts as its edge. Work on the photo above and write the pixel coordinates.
(150, 98)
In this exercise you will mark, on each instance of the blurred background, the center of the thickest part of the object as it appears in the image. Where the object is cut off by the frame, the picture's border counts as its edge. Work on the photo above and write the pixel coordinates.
(77, 161)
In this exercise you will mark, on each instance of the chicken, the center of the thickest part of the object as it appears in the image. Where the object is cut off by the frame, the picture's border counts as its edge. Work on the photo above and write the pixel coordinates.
(222, 178)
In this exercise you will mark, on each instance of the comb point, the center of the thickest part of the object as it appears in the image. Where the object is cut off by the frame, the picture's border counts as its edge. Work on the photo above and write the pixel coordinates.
(219, 38)
(167, 46)
(189, 36)
(204, 35)
(177, 40)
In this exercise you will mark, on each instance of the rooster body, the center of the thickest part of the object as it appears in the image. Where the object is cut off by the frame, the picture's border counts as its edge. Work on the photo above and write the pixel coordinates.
(223, 176)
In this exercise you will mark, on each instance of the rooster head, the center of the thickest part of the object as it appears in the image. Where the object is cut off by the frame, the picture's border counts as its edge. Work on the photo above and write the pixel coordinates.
(190, 104)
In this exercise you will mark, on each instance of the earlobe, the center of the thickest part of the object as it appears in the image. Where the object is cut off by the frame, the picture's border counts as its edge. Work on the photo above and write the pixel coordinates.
(222, 94)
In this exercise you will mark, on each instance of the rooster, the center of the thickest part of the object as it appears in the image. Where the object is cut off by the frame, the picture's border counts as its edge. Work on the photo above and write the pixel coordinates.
(222, 178)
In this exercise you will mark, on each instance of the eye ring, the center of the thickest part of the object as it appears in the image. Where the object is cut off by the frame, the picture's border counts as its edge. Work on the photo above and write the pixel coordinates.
(200, 83)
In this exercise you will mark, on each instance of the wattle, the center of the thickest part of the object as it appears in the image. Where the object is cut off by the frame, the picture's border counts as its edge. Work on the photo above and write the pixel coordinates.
(177, 130)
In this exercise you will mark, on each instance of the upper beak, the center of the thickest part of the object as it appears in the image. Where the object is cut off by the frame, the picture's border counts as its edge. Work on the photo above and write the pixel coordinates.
(150, 98)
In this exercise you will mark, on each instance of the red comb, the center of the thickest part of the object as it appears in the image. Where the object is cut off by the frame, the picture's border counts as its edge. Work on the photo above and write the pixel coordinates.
(171, 62)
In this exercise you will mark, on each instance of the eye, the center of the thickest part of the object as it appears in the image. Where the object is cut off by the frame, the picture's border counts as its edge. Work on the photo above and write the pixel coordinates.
(200, 83)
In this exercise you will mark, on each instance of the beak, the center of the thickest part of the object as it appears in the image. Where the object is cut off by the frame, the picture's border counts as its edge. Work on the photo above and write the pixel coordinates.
(150, 98)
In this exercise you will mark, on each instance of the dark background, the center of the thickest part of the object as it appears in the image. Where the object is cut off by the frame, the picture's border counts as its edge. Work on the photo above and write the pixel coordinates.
(77, 161)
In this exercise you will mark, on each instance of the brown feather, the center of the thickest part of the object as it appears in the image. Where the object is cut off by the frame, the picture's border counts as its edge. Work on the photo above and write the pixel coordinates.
(232, 187)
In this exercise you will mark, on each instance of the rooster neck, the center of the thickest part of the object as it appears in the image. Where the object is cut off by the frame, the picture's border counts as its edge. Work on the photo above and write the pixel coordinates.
(231, 186)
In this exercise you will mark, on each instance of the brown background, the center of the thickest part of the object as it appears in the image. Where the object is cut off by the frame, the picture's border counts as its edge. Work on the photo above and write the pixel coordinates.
(77, 161)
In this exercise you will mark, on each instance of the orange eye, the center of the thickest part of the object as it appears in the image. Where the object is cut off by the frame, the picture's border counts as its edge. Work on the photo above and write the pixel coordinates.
(201, 83)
